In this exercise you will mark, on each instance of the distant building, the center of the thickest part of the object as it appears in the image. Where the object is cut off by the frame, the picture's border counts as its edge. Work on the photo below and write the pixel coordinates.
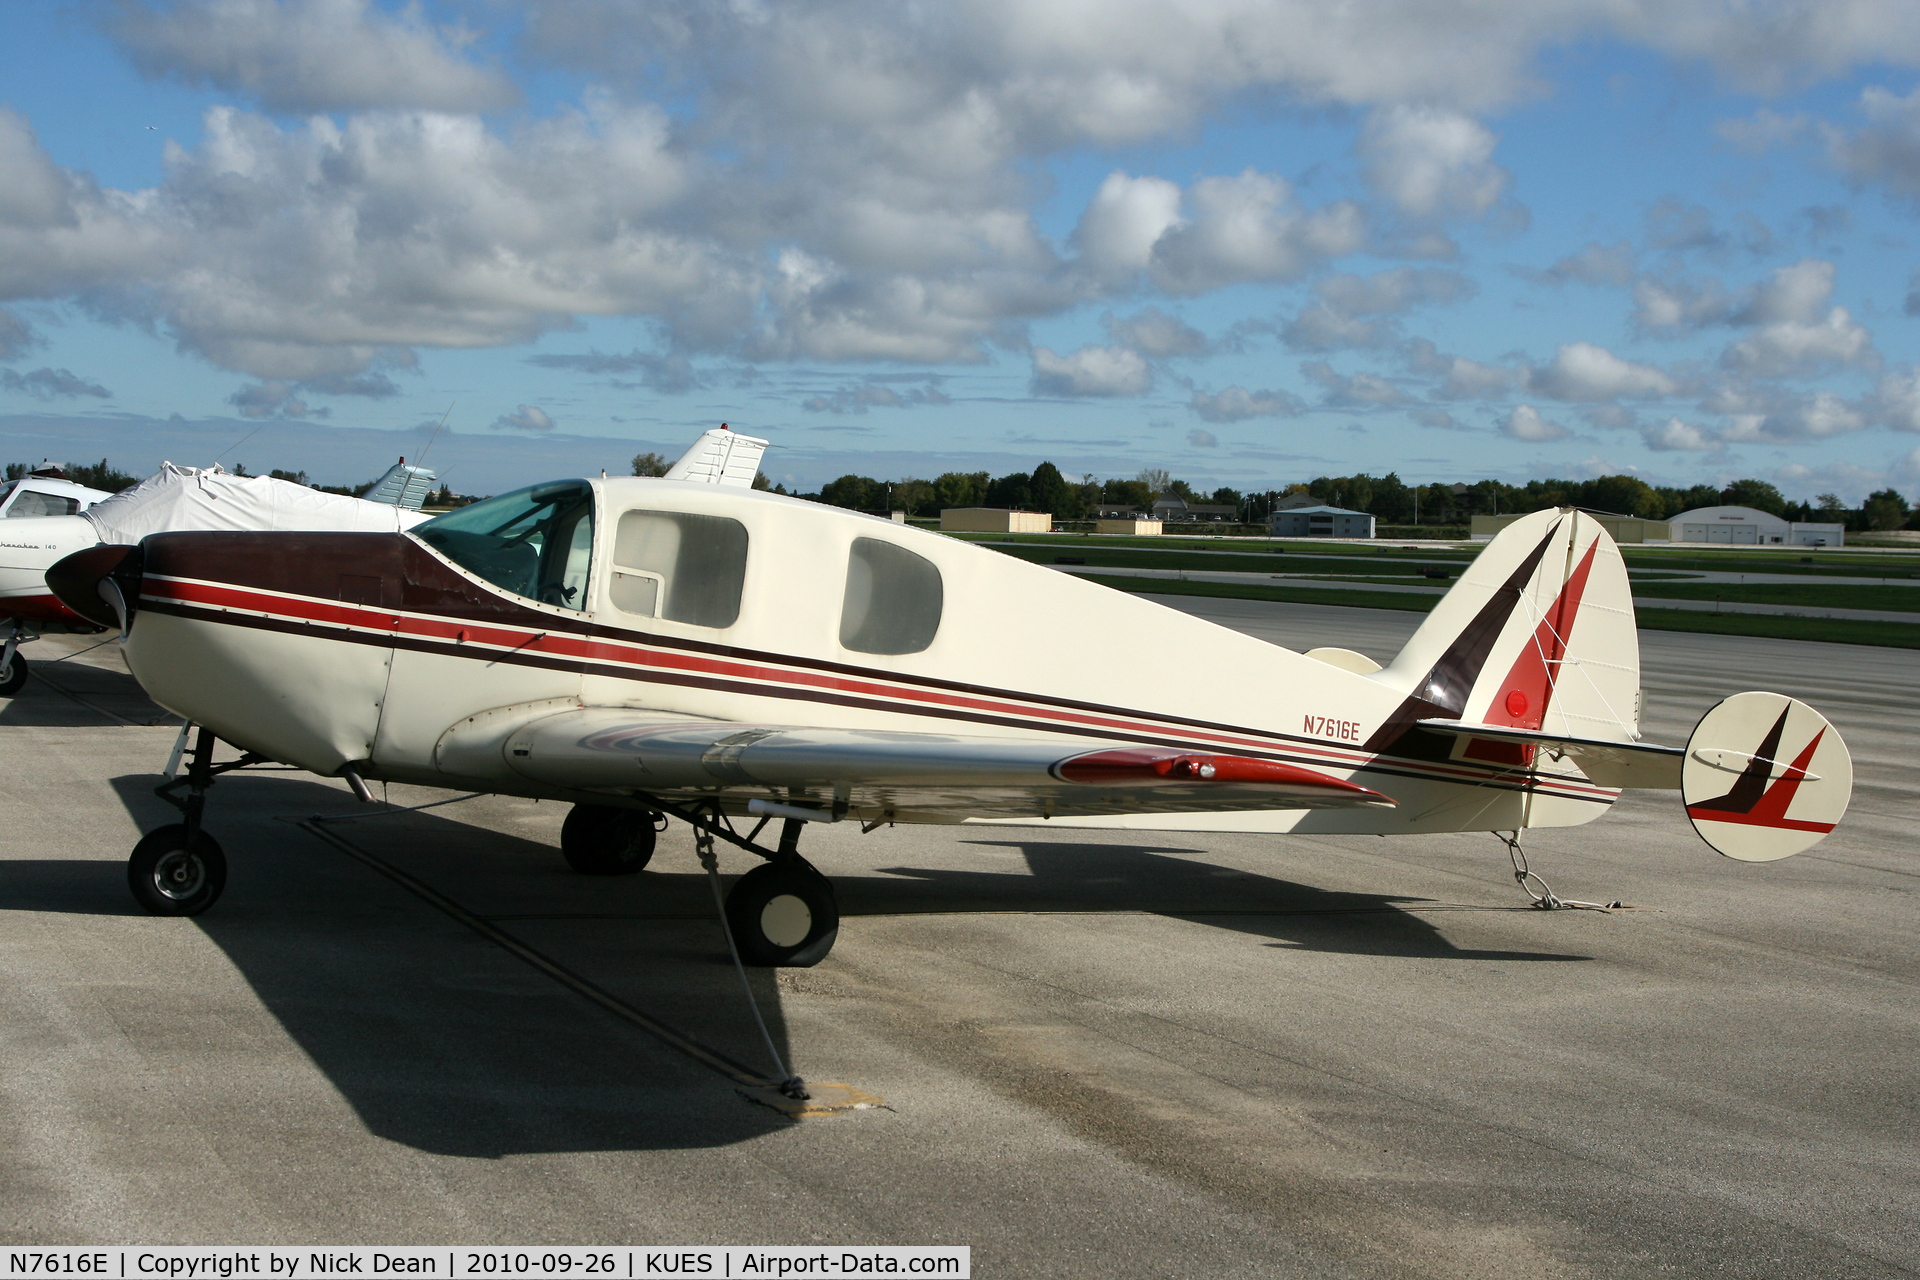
(1130, 526)
(994, 520)
(1172, 508)
(1117, 511)
(1295, 502)
(1320, 522)
(1744, 526)
(1622, 529)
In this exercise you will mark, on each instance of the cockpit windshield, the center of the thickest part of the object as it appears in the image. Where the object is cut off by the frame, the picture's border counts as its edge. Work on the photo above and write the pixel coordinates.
(536, 542)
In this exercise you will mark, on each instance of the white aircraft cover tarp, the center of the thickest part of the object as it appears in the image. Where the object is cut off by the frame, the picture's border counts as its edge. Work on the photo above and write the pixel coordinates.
(202, 498)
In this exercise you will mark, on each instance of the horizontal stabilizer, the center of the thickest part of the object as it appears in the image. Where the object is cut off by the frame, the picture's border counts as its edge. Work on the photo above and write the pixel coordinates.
(405, 485)
(904, 777)
(721, 456)
(1608, 763)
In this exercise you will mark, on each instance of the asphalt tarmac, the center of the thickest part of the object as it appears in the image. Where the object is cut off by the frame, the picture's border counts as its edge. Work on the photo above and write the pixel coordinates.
(1098, 1055)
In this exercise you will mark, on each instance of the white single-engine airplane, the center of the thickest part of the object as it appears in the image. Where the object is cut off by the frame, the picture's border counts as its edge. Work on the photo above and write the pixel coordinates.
(54, 518)
(690, 647)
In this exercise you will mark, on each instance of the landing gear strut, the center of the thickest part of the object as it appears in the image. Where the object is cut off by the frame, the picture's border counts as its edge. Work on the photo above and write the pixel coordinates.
(780, 915)
(13, 667)
(178, 869)
(783, 913)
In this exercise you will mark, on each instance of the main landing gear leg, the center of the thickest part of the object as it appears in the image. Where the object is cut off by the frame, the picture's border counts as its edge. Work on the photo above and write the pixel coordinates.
(780, 915)
(178, 869)
(783, 912)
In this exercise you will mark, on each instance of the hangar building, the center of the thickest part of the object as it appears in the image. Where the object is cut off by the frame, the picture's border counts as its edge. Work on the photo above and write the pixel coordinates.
(1744, 526)
(1320, 522)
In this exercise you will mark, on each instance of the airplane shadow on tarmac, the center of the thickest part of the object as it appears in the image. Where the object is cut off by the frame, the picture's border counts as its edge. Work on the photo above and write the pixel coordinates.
(444, 1041)
(438, 1038)
(1101, 877)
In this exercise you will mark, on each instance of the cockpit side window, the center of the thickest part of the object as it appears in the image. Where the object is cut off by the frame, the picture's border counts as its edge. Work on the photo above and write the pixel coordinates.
(893, 599)
(679, 566)
(535, 542)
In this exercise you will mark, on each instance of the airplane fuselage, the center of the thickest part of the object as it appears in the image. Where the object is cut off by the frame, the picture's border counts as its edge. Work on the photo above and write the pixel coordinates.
(414, 662)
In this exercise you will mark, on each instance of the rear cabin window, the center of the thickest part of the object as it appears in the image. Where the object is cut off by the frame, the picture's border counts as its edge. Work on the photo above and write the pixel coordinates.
(29, 502)
(535, 542)
(893, 599)
(679, 566)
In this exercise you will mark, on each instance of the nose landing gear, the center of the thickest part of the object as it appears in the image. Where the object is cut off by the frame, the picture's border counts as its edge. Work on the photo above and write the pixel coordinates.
(178, 869)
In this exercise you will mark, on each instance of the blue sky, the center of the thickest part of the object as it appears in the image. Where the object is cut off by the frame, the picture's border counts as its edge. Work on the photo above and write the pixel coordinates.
(1249, 241)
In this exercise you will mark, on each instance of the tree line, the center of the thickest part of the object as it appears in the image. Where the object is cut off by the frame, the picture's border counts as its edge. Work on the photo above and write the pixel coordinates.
(1387, 498)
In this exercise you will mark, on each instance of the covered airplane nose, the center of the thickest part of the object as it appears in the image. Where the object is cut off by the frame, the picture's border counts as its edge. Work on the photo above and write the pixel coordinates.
(101, 584)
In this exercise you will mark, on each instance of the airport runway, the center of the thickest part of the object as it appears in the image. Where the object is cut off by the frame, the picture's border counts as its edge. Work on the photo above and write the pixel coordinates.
(1202, 1056)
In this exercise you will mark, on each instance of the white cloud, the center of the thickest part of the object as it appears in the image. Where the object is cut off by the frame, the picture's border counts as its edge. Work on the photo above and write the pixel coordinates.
(1393, 292)
(1583, 371)
(1896, 400)
(835, 181)
(1247, 228)
(1662, 305)
(1763, 130)
(525, 418)
(310, 55)
(1154, 333)
(858, 397)
(36, 193)
(1525, 423)
(1593, 263)
(1353, 391)
(1432, 163)
(1237, 404)
(1675, 226)
(1796, 294)
(1336, 320)
(1123, 221)
(1320, 327)
(1887, 149)
(52, 384)
(16, 336)
(1677, 435)
(1464, 379)
(1770, 416)
(271, 399)
(1203, 439)
(667, 374)
(1793, 346)
(1090, 371)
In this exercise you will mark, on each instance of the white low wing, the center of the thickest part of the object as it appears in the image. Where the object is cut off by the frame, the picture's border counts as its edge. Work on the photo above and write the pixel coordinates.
(903, 777)
(1626, 765)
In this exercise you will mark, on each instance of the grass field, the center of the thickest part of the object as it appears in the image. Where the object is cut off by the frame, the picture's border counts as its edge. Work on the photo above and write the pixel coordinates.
(1260, 553)
(1898, 635)
(1815, 595)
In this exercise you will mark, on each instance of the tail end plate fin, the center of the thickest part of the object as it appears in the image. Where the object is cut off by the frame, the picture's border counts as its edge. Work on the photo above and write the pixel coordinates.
(1765, 777)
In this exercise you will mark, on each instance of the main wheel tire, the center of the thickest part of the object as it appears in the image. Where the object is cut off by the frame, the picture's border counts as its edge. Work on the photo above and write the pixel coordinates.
(600, 840)
(14, 676)
(172, 876)
(783, 914)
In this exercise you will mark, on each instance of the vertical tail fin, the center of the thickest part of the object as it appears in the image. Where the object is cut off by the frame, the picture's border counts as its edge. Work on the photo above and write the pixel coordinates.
(1537, 634)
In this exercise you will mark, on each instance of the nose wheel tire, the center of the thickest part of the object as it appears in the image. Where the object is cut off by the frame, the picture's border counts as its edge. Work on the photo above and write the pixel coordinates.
(172, 875)
(600, 840)
(783, 914)
(14, 676)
